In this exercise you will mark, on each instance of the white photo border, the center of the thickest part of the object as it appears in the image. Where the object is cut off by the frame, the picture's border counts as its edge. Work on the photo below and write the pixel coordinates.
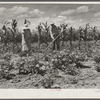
(48, 93)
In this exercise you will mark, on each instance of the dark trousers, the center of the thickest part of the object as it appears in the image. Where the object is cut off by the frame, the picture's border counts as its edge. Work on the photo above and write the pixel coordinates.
(56, 43)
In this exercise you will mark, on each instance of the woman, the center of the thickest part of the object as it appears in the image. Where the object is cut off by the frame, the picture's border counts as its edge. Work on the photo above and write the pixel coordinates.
(26, 39)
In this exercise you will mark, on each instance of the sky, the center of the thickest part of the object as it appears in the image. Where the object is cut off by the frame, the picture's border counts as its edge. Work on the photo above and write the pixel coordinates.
(73, 14)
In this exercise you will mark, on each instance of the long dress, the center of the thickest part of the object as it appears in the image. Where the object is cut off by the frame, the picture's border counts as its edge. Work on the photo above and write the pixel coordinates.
(27, 37)
(24, 45)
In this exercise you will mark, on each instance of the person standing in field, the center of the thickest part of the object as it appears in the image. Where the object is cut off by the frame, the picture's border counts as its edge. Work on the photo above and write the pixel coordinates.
(26, 37)
(54, 32)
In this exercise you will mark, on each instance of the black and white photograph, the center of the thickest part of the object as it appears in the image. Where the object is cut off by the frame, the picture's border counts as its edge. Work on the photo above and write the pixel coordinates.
(49, 46)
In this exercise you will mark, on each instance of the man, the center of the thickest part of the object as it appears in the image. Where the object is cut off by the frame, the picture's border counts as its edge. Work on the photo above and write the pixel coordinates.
(54, 32)
(26, 38)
